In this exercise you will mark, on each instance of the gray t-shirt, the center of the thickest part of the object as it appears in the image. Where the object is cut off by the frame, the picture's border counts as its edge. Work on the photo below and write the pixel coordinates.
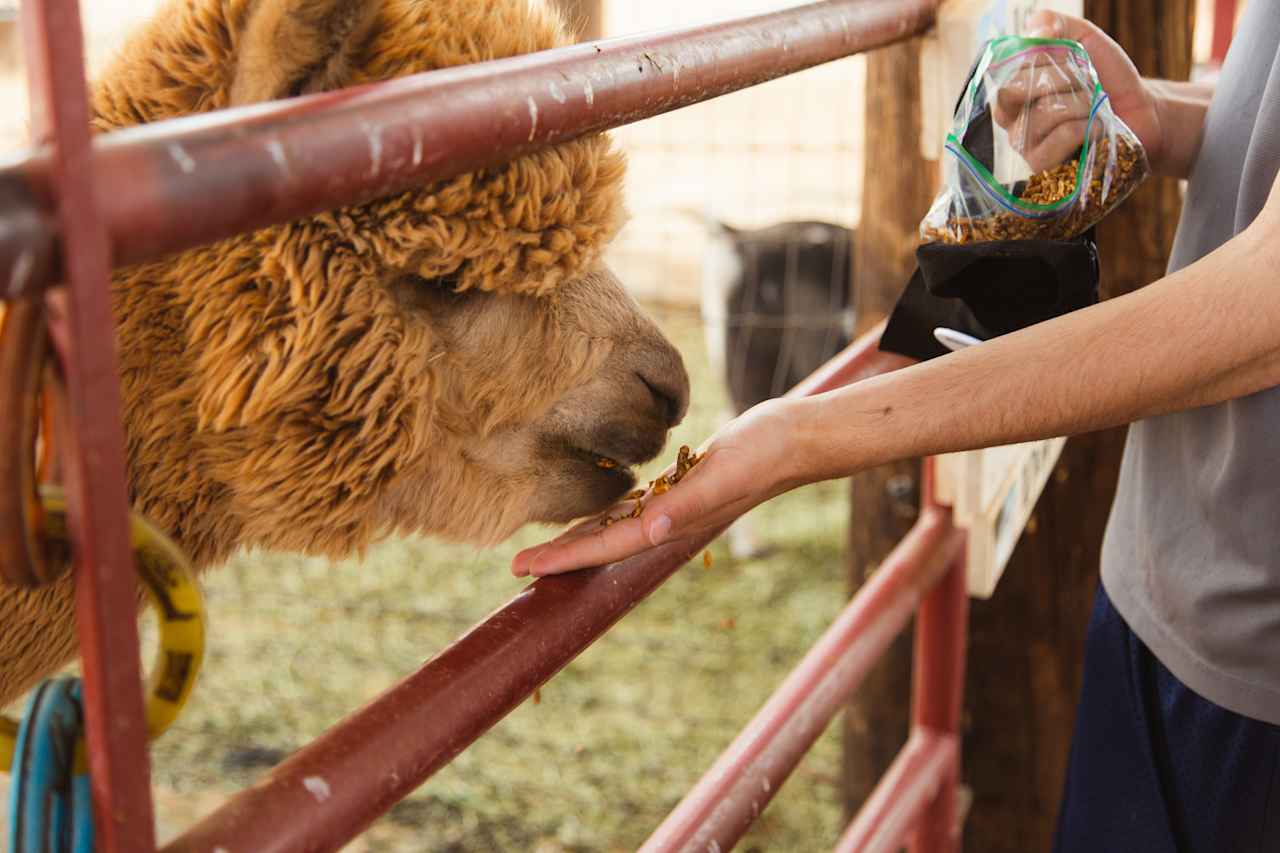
(1192, 554)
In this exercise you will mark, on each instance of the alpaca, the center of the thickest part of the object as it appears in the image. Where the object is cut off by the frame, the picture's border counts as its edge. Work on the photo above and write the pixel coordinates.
(454, 361)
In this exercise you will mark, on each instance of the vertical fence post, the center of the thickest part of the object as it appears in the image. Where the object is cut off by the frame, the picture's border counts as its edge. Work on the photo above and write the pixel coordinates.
(937, 690)
(93, 459)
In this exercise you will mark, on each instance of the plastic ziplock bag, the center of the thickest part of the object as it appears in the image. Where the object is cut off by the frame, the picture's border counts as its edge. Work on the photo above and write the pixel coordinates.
(1035, 151)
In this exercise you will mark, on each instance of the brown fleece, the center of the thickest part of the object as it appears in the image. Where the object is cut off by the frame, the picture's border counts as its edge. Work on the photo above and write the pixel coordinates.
(274, 384)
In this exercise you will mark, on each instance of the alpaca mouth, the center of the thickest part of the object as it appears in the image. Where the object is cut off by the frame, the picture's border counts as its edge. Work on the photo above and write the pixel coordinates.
(609, 465)
(611, 477)
(612, 454)
(613, 468)
(620, 456)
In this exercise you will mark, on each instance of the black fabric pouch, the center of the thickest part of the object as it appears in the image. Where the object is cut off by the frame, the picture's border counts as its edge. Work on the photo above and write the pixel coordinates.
(990, 289)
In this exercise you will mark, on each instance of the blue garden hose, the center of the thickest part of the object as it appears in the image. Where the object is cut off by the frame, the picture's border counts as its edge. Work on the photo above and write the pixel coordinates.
(50, 807)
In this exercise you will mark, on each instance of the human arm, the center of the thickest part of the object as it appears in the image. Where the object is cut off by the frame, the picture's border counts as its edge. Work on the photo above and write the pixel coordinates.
(1179, 104)
(1208, 333)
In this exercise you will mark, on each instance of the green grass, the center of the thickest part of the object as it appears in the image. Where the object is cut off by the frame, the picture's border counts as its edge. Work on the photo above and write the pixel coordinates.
(619, 735)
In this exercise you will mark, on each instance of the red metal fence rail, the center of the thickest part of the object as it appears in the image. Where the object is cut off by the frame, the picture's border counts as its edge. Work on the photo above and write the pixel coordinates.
(138, 194)
(733, 793)
(188, 181)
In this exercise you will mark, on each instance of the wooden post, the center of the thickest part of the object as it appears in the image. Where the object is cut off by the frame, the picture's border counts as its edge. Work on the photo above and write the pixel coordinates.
(585, 17)
(1026, 643)
(898, 186)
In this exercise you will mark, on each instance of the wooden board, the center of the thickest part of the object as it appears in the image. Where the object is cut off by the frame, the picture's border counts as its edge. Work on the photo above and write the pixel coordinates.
(993, 493)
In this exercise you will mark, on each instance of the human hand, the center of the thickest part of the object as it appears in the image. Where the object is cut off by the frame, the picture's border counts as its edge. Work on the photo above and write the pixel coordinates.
(1046, 113)
(748, 461)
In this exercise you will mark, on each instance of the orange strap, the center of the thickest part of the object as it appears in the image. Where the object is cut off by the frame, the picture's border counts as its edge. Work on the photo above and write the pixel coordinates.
(24, 351)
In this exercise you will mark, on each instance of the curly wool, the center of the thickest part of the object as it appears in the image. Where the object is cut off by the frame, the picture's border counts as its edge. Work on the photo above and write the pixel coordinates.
(520, 228)
(272, 383)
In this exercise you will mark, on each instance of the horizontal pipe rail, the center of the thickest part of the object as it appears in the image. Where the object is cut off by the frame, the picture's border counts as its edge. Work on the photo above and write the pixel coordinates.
(190, 181)
(733, 793)
(337, 785)
(899, 801)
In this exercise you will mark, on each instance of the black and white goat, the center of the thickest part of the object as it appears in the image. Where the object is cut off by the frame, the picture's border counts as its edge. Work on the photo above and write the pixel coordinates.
(777, 303)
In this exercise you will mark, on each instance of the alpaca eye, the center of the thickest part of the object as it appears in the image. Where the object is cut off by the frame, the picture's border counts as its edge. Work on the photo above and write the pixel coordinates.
(417, 292)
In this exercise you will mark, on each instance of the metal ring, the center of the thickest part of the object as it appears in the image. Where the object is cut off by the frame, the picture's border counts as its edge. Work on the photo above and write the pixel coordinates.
(169, 581)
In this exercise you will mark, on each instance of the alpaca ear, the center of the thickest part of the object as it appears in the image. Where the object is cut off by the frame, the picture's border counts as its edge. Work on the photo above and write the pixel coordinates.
(294, 47)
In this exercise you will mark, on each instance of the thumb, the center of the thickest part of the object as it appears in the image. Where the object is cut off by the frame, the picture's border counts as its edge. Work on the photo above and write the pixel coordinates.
(1046, 24)
(1102, 49)
(709, 495)
(1118, 74)
(670, 515)
(1055, 25)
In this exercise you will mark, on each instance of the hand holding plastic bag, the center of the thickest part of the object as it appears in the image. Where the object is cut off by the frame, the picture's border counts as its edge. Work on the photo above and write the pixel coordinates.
(1035, 150)
(1044, 110)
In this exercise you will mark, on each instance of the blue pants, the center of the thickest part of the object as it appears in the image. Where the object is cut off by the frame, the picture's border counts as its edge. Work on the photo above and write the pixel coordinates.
(1156, 768)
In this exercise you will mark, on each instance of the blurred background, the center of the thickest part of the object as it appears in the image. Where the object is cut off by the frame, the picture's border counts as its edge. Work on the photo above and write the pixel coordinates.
(620, 735)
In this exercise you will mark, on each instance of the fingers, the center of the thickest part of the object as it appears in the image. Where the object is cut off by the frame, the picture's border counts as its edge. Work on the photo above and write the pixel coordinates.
(1115, 69)
(1047, 119)
(709, 496)
(1041, 79)
(1043, 106)
(1034, 103)
(1057, 146)
(587, 545)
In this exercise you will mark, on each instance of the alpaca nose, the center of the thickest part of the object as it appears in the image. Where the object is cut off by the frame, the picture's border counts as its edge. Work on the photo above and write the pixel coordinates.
(668, 384)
